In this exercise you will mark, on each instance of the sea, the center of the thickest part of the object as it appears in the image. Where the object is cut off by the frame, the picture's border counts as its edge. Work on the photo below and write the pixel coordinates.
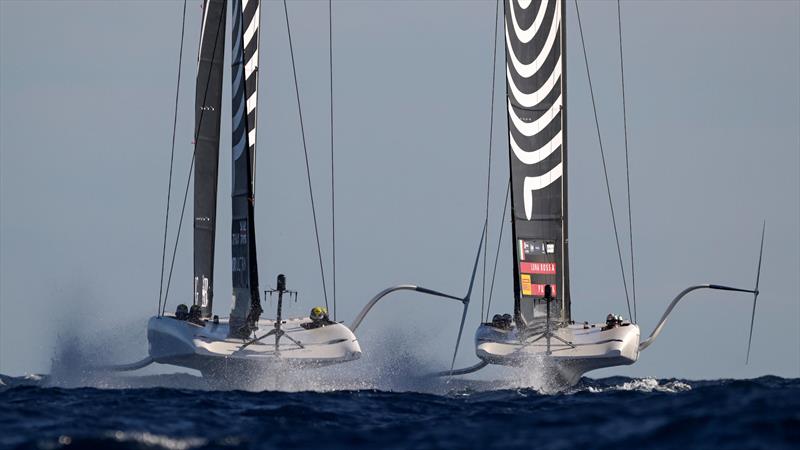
(184, 411)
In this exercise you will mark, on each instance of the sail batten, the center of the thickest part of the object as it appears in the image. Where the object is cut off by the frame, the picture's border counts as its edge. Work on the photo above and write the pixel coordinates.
(536, 97)
(208, 105)
(244, 97)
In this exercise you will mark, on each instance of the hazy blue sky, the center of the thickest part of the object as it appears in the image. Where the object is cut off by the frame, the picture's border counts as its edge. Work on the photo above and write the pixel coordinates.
(86, 98)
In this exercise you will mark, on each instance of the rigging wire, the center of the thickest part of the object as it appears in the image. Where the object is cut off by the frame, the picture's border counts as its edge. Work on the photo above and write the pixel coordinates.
(627, 166)
(497, 254)
(333, 195)
(489, 170)
(171, 162)
(603, 156)
(178, 236)
(305, 151)
(191, 167)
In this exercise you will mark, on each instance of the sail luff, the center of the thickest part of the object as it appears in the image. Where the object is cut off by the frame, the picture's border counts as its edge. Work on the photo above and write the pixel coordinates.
(208, 105)
(536, 92)
(567, 300)
(244, 82)
(514, 246)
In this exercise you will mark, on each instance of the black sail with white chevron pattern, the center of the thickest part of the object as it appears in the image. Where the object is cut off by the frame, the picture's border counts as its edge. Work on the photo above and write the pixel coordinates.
(208, 104)
(244, 83)
(536, 100)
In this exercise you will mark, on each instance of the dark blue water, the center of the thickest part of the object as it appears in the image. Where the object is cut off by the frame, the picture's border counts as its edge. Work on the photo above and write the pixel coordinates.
(605, 413)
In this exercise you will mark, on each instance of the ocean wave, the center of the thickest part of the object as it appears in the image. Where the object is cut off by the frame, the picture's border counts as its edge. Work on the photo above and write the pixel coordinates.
(648, 412)
(155, 440)
(645, 385)
(130, 439)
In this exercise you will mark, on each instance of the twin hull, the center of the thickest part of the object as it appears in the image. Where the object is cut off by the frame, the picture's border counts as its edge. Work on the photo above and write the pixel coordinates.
(208, 348)
(590, 347)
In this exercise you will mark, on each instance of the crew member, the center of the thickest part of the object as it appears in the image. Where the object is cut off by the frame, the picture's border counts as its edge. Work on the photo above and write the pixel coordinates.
(502, 322)
(611, 322)
(182, 312)
(195, 315)
(319, 318)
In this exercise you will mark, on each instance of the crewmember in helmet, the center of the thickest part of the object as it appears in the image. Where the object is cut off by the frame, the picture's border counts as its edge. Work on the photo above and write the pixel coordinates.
(195, 315)
(612, 321)
(502, 322)
(182, 312)
(319, 318)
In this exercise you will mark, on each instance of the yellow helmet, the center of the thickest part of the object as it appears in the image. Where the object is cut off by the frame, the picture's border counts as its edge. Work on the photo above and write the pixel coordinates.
(318, 313)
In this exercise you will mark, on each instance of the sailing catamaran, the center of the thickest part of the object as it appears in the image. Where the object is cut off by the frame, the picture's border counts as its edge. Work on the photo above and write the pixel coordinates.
(542, 330)
(194, 337)
(542, 334)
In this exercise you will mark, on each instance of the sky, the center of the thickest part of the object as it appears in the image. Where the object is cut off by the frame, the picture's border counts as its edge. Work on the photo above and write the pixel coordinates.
(713, 94)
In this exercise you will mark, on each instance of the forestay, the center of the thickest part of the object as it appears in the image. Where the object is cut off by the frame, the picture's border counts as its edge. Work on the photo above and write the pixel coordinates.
(536, 100)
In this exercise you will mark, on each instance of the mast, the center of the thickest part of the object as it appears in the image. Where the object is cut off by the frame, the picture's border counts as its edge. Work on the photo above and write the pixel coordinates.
(208, 104)
(536, 97)
(244, 94)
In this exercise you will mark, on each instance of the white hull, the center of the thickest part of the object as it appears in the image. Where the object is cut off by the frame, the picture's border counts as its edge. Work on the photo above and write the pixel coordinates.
(209, 349)
(591, 348)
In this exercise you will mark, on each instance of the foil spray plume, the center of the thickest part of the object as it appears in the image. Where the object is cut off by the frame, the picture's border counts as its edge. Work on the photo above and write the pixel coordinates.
(391, 363)
(79, 354)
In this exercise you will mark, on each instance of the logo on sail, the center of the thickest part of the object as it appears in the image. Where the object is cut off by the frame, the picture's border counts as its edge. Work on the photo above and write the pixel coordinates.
(538, 268)
(529, 249)
(534, 289)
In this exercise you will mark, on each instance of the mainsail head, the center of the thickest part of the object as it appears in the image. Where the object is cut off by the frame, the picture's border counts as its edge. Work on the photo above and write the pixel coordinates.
(536, 101)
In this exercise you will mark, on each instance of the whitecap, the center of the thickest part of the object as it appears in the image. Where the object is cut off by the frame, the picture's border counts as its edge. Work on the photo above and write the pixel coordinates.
(156, 440)
(645, 385)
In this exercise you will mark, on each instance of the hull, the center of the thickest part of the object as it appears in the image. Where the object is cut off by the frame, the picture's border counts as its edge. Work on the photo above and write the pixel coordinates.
(590, 347)
(208, 348)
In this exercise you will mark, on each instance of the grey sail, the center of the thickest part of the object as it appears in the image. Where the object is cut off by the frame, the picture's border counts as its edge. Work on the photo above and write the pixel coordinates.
(208, 104)
(536, 97)
(244, 94)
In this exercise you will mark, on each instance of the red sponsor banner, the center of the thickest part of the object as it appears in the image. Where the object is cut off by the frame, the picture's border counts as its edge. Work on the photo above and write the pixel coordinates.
(539, 268)
(537, 290)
